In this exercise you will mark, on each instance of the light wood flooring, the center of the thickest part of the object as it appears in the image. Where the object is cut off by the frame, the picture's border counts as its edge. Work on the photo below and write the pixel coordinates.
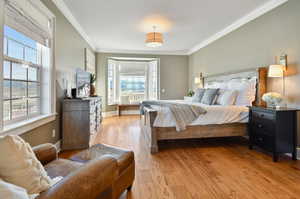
(201, 169)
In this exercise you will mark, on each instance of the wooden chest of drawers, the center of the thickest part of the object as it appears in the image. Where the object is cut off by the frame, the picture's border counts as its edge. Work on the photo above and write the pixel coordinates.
(81, 122)
(273, 130)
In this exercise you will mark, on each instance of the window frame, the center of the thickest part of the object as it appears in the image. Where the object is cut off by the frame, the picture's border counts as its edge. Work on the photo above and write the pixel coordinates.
(116, 83)
(48, 113)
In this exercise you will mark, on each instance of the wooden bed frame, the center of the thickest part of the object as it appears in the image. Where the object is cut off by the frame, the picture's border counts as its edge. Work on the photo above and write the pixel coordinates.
(154, 134)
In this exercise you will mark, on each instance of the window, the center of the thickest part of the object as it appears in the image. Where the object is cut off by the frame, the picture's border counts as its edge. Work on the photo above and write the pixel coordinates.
(27, 75)
(130, 82)
(22, 67)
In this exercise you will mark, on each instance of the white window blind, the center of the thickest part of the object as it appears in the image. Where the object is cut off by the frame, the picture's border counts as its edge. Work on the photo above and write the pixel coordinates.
(29, 17)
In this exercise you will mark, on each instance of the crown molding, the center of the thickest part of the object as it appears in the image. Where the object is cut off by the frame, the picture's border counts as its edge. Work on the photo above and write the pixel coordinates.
(143, 52)
(239, 23)
(68, 14)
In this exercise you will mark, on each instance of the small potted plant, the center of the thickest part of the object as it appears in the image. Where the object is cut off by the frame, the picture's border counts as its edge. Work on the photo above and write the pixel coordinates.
(93, 89)
(190, 93)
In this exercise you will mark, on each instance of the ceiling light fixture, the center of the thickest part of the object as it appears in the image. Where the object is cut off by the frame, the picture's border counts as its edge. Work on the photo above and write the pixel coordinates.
(154, 39)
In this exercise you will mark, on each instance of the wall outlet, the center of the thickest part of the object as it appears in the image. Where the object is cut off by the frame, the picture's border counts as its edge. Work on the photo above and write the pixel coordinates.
(53, 133)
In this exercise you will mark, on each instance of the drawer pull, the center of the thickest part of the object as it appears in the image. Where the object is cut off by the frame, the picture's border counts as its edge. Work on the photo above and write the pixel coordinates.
(260, 125)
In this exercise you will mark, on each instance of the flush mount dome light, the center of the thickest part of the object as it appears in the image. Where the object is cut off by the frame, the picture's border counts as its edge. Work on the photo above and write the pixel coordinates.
(154, 39)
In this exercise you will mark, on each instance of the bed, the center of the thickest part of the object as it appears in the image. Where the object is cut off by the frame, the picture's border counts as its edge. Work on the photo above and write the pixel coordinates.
(229, 121)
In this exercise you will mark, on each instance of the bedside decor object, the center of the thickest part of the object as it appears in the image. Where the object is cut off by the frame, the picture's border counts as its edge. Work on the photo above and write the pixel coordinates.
(274, 130)
(272, 99)
(190, 93)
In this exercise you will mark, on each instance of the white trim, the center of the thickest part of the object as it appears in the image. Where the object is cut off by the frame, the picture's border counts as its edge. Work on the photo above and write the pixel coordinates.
(239, 23)
(39, 5)
(298, 154)
(2, 5)
(68, 14)
(115, 113)
(27, 125)
(110, 114)
(58, 146)
(143, 52)
(130, 112)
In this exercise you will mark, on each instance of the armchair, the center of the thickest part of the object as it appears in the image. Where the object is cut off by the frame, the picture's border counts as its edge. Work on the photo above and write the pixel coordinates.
(92, 180)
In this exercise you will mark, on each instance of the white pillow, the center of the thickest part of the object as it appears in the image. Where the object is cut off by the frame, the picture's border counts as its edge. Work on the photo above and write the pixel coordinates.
(19, 165)
(226, 97)
(246, 90)
(10, 191)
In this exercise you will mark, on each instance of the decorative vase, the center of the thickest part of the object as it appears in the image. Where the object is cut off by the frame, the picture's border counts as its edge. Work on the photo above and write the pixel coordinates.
(272, 99)
(93, 90)
(271, 105)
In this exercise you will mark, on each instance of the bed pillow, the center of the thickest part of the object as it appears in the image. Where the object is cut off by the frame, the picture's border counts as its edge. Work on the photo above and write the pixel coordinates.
(19, 165)
(209, 96)
(226, 97)
(199, 92)
(246, 91)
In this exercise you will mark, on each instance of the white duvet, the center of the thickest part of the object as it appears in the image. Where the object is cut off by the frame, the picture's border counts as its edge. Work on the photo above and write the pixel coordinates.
(216, 114)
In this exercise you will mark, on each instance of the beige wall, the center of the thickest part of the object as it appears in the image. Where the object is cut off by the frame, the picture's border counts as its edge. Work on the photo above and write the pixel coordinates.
(69, 54)
(257, 44)
(173, 75)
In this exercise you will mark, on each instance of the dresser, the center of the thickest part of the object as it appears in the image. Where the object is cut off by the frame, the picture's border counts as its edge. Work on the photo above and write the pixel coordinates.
(274, 130)
(81, 120)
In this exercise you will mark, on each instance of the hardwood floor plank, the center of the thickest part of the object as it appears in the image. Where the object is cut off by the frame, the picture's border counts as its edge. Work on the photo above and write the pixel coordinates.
(200, 169)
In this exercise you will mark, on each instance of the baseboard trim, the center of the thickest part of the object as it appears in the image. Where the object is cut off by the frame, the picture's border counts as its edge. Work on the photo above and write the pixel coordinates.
(110, 114)
(298, 154)
(58, 145)
(115, 113)
(130, 112)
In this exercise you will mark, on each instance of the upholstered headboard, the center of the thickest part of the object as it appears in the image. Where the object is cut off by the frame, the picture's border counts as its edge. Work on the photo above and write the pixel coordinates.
(260, 74)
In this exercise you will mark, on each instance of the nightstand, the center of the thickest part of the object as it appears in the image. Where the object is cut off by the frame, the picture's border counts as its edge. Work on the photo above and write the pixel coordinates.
(274, 130)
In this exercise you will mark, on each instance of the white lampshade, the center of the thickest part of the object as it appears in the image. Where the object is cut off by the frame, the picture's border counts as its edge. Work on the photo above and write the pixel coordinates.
(276, 71)
(197, 80)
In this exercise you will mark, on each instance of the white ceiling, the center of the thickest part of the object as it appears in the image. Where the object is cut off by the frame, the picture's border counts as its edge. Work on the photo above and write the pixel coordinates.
(187, 25)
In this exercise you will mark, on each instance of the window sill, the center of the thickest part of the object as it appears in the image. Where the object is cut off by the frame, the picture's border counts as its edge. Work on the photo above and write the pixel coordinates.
(28, 125)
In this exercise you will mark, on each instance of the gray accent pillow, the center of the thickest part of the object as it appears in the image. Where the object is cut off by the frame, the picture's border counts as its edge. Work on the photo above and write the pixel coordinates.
(197, 97)
(209, 96)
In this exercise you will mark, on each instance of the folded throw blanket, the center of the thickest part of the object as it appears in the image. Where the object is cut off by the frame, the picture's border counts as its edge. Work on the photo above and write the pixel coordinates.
(183, 114)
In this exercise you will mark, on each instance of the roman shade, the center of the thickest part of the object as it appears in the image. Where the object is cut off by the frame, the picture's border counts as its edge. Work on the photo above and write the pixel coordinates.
(29, 17)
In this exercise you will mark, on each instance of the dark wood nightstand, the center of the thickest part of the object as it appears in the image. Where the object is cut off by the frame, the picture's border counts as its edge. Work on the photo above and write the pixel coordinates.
(274, 130)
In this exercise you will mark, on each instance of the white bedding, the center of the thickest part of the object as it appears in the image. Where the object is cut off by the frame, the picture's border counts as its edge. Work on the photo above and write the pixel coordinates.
(216, 114)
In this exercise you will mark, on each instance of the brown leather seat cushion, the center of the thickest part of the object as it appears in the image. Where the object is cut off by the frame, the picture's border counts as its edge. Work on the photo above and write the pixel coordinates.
(61, 167)
(123, 157)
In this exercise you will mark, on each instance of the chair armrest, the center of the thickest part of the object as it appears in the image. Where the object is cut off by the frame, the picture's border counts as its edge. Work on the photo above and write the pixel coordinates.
(45, 153)
(92, 180)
